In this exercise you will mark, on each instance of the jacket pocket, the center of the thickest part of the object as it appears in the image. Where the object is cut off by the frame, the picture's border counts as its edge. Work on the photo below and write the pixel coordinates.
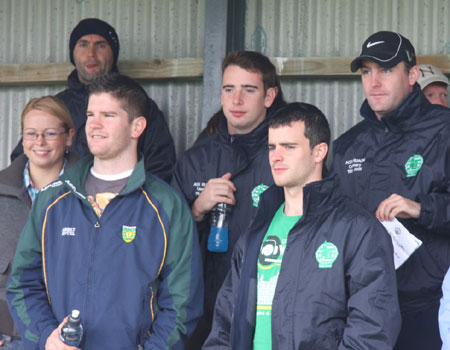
(4, 270)
(4, 264)
(147, 315)
(6, 322)
(318, 331)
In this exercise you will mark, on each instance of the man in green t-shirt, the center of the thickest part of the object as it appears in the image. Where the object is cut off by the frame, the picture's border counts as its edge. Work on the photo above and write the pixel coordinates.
(314, 270)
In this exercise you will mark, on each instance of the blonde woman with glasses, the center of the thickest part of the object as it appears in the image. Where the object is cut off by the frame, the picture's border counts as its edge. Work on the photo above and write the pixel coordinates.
(47, 130)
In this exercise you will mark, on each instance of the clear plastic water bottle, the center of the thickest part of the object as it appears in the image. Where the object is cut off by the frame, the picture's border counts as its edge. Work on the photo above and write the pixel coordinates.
(218, 235)
(72, 330)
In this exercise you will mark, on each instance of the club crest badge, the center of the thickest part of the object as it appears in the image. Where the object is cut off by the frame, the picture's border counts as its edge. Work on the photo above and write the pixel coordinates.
(413, 165)
(256, 192)
(326, 255)
(128, 233)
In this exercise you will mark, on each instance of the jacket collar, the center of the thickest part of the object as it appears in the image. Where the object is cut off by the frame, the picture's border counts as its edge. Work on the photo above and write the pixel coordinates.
(12, 176)
(75, 177)
(318, 196)
(76, 84)
(251, 141)
(405, 117)
(11, 180)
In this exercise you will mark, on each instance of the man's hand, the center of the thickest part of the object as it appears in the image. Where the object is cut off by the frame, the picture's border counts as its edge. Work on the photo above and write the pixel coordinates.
(54, 343)
(218, 190)
(397, 206)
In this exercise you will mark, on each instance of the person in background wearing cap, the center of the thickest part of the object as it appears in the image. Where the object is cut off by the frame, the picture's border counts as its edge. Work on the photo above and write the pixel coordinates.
(396, 164)
(94, 50)
(434, 84)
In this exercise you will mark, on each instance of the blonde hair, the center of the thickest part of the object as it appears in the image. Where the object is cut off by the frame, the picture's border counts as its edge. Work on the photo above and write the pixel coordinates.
(51, 105)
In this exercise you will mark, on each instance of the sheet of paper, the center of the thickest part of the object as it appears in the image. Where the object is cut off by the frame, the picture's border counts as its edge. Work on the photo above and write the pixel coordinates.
(405, 243)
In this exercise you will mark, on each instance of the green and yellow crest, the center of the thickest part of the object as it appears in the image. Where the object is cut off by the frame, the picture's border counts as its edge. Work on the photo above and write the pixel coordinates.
(128, 233)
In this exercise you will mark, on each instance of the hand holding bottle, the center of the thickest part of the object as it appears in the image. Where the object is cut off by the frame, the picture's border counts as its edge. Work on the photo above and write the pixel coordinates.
(54, 342)
(218, 190)
(218, 235)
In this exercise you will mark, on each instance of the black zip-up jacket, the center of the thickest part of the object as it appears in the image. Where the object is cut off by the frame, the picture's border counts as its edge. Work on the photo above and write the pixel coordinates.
(406, 152)
(350, 305)
(246, 158)
(156, 143)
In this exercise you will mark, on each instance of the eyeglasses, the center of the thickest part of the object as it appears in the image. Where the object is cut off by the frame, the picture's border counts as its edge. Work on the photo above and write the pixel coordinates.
(47, 135)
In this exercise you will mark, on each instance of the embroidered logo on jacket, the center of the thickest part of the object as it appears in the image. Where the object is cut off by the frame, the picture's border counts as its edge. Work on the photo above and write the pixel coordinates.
(326, 255)
(413, 165)
(51, 185)
(128, 233)
(68, 231)
(256, 192)
(354, 165)
(199, 186)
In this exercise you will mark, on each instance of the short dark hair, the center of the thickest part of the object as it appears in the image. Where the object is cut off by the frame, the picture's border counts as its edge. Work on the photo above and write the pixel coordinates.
(317, 129)
(256, 62)
(132, 97)
(407, 66)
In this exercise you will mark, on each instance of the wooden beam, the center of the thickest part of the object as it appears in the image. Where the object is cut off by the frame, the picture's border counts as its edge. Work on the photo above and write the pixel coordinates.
(339, 66)
(312, 66)
(34, 73)
(175, 68)
(192, 68)
(440, 61)
(40, 73)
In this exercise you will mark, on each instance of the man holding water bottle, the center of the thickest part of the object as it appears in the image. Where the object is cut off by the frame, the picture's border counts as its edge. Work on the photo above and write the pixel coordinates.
(231, 166)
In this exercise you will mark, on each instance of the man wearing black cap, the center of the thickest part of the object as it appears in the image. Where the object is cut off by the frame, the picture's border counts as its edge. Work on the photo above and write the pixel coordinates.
(396, 163)
(94, 50)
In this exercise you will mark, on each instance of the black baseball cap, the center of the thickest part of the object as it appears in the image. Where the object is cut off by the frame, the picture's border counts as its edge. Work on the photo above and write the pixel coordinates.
(387, 49)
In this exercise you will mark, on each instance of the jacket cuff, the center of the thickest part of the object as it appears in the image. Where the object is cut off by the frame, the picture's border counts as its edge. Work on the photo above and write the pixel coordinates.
(426, 214)
(45, 334)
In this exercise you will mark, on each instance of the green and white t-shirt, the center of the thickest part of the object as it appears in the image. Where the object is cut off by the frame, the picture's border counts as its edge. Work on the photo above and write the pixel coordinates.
(269, 265)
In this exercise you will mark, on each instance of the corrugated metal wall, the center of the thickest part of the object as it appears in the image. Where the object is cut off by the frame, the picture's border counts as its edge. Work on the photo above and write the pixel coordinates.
(305, 28)
(37, 31)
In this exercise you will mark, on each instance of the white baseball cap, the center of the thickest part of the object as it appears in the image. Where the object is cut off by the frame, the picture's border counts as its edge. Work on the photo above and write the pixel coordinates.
(430, 74)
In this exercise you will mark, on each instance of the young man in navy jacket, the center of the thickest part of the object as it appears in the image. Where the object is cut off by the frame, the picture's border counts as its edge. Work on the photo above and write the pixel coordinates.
(111, 240)
(230, 166)
(314, 270)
